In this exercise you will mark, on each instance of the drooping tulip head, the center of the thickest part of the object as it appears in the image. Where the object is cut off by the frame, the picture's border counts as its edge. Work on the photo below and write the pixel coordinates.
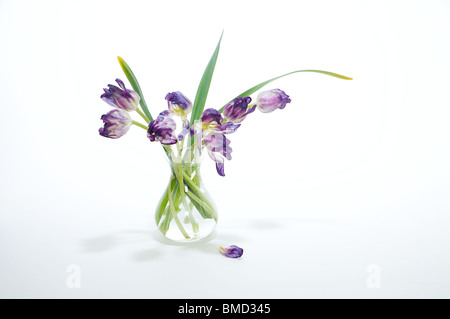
(178, 104)
(211, 121)
(269, 101)
(211, 117)
(117, 122)
(162, 129)
(121, 98)
(237, 110)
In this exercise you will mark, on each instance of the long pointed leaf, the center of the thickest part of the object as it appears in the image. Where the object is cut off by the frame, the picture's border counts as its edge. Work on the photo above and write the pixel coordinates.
(203, 87)
(261, 85)
(135, 84)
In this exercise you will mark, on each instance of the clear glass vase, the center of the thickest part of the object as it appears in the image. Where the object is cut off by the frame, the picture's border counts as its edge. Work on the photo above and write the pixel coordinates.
(185, 211)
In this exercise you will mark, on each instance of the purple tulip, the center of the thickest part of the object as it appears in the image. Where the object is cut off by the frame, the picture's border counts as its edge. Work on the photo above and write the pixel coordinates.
(211, 121)
(117, 122)
(269, 101)
(211, 116)
(178, 104)
(121, 98)
(212, 131)
(232, 252)
(237, 110)
(162, 129)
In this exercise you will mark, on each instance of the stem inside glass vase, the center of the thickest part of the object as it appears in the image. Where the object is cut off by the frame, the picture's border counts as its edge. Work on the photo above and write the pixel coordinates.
(185, 212)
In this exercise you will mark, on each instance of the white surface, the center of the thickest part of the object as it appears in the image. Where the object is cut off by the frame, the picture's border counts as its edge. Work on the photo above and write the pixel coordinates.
(349, 175)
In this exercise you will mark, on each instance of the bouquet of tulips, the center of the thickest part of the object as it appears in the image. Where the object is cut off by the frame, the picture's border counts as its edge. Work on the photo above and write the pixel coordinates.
(186, 130)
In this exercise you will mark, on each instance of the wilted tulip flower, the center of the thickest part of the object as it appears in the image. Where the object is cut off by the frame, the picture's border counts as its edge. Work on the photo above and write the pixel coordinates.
(212, 132)
(162, 129)
(211, 121)
(269, 101)
(179, 104)
(237, 110)
(232, 252)
(121, 98)
(117, 123)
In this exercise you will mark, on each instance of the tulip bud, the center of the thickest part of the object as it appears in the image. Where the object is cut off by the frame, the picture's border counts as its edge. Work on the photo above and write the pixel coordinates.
(269, 101)
(237, 111)
(121, 98)
(117, 123)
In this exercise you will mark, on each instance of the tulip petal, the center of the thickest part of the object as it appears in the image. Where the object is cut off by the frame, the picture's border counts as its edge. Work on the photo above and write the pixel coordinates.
(231, 252)
(227, 128)
(218, 147)
(178, 103)
(211, 116)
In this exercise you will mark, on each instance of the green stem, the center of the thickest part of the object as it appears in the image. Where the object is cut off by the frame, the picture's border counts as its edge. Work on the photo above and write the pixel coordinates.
(143, 115)
(179, 177)
(198, 196)
(140, 125)
(165, 224)
(174, 214)
(192, 185)
(178, 171)
(160, 210)
(204, 204)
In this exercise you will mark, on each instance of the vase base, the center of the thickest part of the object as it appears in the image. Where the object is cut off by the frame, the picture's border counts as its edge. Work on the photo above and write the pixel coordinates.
(202, 230)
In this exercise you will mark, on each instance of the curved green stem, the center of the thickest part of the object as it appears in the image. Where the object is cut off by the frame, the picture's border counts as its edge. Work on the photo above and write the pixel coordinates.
(143, 115)
(192, 185)
(140, 125)
(198, 196)
(204, 204)
(174, 214)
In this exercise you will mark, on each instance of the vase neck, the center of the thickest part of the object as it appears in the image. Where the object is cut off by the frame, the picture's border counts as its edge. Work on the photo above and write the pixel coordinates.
(184, 165)
(185, 157)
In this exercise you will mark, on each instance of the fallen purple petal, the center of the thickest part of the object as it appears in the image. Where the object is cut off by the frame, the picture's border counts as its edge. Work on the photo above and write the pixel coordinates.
(231, 252)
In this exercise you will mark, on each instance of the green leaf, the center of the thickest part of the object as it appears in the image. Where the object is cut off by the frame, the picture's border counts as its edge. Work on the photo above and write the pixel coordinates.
(203, 87)
(261, 85)
(136, 87)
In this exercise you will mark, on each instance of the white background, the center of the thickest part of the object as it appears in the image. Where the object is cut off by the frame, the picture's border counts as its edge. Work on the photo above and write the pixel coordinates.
(350, 174)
